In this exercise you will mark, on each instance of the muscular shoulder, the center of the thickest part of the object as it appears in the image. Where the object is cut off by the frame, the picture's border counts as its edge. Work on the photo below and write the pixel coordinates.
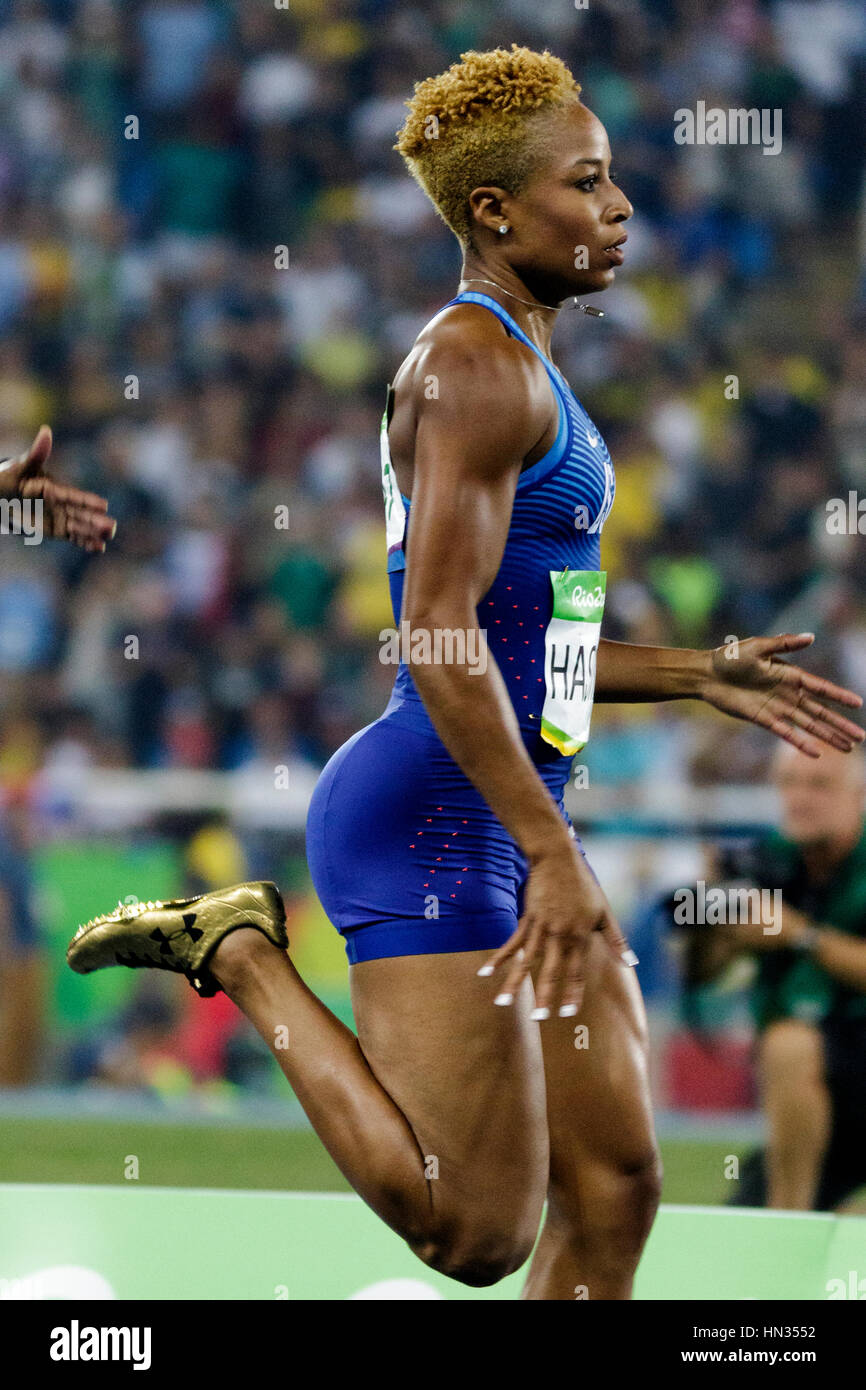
(466, 367)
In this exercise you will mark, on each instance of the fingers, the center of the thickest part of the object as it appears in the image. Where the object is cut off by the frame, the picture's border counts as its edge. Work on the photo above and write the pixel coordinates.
(63, 494)
(36, 456)
(98, 524)
(89, 530)
(520, 966)
(562, 970)
(791, 642)
(779, 725)
(812, 722)
(561, 977)
(768, 648)
(817, 685)
(616, 942)
(784, 642)
(511, 947)
(830, 727)
(73, 514)
(808, 724)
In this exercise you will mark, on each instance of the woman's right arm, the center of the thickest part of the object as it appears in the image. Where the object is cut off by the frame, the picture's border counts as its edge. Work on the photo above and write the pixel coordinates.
(471, 439)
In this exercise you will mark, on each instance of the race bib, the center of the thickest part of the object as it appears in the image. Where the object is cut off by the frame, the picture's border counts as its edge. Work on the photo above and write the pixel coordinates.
(395, 511)
(570, 657)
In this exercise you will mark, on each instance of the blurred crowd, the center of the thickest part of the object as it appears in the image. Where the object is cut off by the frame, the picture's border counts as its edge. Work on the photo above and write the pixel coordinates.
(212, 261)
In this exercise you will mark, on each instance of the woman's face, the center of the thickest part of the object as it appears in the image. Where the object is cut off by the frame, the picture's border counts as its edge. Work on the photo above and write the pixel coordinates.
(566, 221)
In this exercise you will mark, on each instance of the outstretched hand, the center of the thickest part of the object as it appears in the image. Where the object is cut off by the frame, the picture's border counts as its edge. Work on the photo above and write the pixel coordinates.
(753, 682)
(68, 513)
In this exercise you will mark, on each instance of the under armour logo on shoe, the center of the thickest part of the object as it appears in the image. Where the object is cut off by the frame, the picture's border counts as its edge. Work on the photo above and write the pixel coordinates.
(192, 932)
(164, 944)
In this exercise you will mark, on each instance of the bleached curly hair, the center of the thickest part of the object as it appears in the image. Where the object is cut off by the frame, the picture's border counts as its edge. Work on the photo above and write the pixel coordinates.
(482, 122)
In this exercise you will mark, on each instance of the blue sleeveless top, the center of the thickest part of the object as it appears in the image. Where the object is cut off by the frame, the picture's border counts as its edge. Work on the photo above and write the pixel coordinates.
(559, 509)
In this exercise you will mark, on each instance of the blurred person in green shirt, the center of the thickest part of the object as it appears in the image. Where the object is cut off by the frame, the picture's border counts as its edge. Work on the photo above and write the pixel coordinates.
(809, 990)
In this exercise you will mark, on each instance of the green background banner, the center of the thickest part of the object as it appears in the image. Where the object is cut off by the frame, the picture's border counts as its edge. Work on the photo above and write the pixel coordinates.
(131, 1242)
(75, 881)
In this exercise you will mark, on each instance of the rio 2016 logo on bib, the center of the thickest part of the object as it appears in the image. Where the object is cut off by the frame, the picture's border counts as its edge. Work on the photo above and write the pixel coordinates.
(570, 657)
(587, 600)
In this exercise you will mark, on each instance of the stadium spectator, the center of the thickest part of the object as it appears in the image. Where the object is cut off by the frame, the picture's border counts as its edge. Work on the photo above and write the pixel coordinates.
(809, 992)
(209, 299)
(208, 307)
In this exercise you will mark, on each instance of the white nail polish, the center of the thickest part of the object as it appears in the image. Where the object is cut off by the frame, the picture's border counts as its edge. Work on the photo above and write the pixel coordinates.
(504, 999)
(540, 1014)
(568, 1011)
(629, 957)
(485, 970)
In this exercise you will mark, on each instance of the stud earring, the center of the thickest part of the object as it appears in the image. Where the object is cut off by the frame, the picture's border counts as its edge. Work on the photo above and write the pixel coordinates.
(503, 229)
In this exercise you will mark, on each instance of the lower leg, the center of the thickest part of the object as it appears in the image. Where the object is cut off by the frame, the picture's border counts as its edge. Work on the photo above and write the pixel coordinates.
(605, 1167)
(590, 1249)
(799, 1116)
(799, 1113)
(433, 1048)
(366, 1134)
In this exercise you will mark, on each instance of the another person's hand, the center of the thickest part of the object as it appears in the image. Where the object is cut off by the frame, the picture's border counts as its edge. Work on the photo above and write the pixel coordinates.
(68, 513)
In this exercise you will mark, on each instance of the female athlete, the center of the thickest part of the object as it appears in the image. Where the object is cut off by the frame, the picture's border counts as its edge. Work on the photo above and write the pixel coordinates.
(437, 837)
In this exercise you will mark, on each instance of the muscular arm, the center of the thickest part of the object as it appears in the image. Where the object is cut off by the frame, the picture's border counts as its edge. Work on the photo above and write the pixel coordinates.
(749, 679)
(469, 447)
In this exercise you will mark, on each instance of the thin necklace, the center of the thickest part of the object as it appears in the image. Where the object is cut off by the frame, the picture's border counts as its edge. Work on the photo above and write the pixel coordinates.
(533, 303)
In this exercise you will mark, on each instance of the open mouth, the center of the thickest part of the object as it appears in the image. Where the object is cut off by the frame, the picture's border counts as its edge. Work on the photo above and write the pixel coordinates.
(614, 252)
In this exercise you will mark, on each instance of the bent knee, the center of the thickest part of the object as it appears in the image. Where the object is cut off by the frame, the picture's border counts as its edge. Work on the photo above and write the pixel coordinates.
(614, 1203)
(640, 1182)
(479, 1255)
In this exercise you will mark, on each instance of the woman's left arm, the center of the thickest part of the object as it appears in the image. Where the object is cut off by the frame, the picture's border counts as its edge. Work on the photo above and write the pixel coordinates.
(627, 673)
(747, 679)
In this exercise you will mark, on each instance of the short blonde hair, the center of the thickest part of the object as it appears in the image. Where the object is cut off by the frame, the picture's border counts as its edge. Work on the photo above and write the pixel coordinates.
(473, 125)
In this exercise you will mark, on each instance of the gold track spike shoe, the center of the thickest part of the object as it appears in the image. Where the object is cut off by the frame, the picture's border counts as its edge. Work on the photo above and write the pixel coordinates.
(179, 935)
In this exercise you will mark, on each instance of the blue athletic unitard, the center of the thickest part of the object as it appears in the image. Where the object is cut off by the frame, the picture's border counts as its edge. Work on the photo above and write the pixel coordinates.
(405, 854)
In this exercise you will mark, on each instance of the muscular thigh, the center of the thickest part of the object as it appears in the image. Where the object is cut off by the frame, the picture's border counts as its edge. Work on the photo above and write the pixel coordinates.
(469, 1076)
(596, 1069)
